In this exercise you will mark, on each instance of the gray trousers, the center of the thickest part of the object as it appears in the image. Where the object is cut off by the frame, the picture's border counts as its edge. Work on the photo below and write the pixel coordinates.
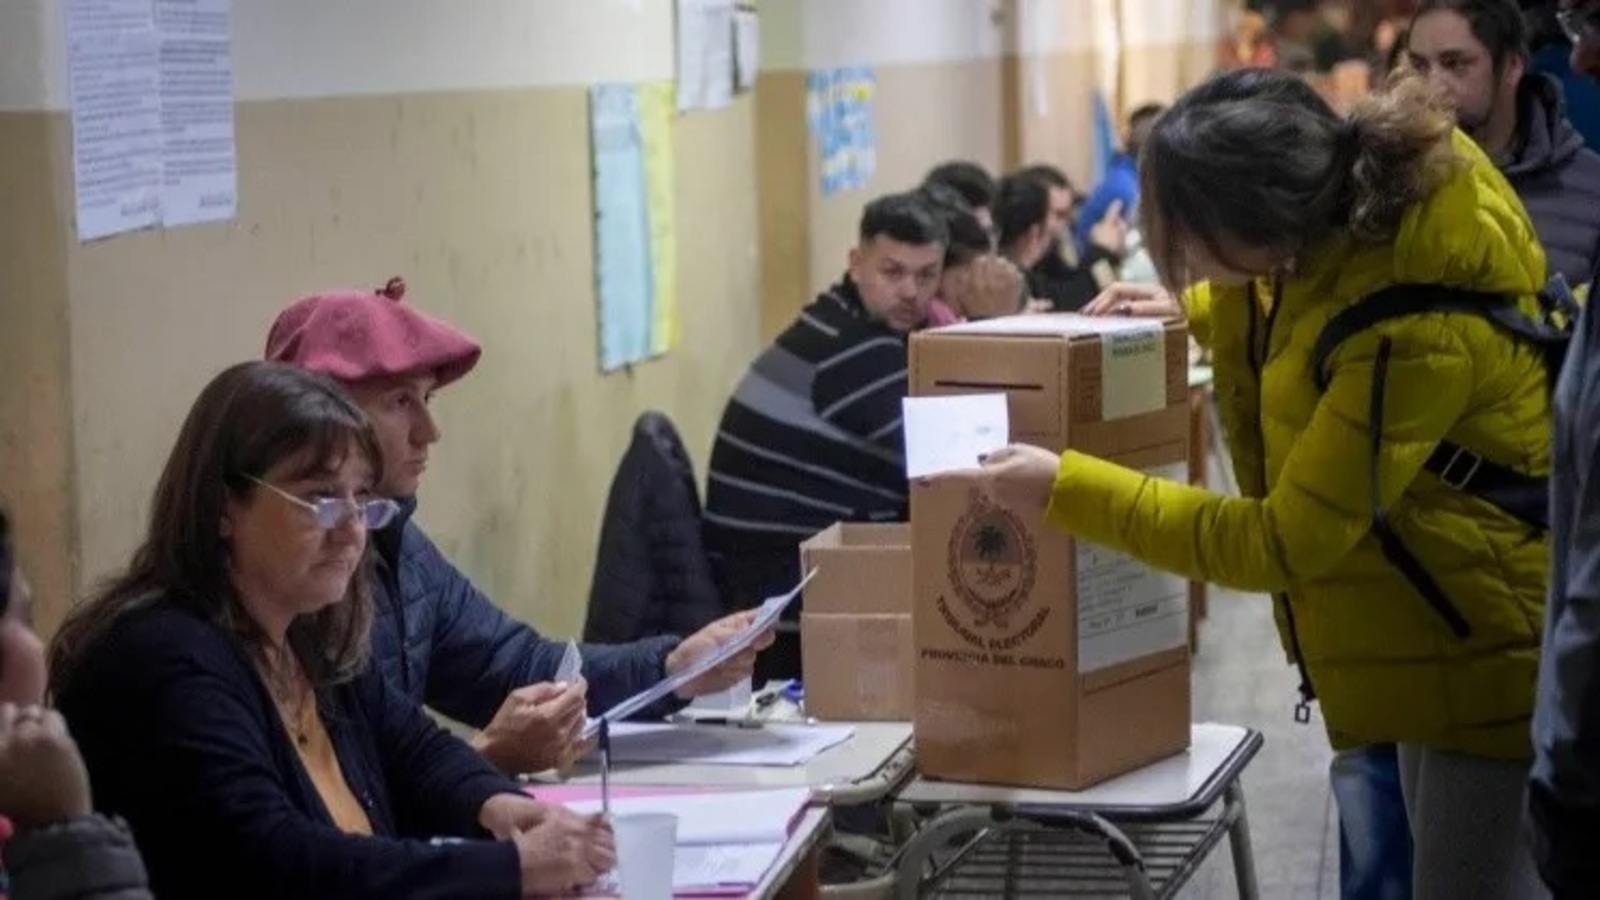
(1466, 827)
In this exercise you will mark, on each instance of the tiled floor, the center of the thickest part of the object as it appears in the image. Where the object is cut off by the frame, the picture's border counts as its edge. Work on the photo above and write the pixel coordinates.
(1242, 677)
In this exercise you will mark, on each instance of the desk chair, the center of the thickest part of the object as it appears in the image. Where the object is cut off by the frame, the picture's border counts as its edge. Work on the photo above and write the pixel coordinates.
(651, 573)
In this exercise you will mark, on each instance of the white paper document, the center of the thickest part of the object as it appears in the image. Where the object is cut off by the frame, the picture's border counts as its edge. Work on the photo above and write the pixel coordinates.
(722, 865)
(766, 616)
(705, 54)
(746, 48)
(113, 63)
(717, 818)
(571, 667)
(947, 434)
(1127, 609)
(772, 744)
(725, 839)
(200, 165)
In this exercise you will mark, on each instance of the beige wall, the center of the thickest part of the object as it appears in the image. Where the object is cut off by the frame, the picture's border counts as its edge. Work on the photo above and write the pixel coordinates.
(937, 65)
(35, 402)
(926, 114)
(480, 198)
(462, 165)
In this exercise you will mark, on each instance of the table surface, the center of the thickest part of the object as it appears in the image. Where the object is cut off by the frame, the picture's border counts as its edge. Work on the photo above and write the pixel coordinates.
(807, 834)
(873, 748)
(1192, 779)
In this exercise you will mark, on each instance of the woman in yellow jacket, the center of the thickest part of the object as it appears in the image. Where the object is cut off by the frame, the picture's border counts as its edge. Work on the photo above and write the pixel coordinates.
(1285, 214)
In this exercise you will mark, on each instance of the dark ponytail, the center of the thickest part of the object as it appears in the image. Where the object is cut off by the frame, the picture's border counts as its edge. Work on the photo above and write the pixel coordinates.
(1403, 152)
(1256, 160)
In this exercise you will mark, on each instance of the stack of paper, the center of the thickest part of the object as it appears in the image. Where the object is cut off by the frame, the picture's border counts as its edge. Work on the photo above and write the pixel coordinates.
(727, 840)
(772, 744)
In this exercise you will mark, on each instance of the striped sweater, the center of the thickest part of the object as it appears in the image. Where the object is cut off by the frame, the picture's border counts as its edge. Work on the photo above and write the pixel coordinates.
(811, 436)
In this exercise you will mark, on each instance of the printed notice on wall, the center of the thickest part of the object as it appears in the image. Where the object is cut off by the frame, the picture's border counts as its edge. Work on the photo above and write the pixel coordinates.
(151, 87)
(201, 178)
(1133, 369)
(1126, 609)
(705, 54)
(113, 64)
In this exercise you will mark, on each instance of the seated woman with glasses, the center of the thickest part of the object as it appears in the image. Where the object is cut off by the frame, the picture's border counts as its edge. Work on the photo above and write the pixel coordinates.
(221, 693)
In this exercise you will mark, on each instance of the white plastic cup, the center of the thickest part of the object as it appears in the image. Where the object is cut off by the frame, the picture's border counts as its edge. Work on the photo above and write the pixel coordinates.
(646, 845)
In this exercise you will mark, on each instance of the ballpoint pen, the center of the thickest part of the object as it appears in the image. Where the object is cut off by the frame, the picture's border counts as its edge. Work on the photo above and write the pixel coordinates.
(605, 767)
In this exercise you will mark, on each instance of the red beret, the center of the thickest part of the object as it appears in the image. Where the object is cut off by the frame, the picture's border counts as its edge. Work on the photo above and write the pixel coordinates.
(355, 335)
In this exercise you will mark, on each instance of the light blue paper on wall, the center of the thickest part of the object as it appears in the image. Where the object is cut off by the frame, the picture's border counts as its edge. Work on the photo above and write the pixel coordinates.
(839, 109)
(624, 280)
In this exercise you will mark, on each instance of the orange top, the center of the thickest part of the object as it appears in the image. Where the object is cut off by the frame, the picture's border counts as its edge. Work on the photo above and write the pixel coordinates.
(315, 747)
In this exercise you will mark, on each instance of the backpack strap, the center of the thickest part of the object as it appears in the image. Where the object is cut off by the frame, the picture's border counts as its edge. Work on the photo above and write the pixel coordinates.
(1393, 548)
(1523, 496)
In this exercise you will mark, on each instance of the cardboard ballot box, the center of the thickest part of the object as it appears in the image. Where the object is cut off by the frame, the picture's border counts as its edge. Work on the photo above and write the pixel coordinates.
(855, 632)
(1042, 661)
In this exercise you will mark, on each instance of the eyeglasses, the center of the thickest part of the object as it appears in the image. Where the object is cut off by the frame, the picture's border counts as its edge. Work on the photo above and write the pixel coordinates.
(332, 512)
(1579, 24)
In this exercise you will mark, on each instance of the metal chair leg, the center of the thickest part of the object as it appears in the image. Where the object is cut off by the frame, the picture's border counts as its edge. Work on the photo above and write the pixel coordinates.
(1244, 857)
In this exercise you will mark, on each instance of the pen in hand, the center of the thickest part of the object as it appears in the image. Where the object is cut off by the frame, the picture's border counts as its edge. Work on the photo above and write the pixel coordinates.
(605, 767)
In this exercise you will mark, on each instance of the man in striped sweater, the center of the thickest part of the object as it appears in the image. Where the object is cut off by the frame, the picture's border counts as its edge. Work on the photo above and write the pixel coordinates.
(812, 434)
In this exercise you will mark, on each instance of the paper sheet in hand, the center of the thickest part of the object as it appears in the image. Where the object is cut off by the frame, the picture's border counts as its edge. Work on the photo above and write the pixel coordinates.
(765, 617)
(571, 668)
(946, 434)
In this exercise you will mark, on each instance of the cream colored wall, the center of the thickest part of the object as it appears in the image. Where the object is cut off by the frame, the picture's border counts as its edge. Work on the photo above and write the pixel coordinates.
(938, 96)
(1133, 51)
(927, 114)
(463, 165)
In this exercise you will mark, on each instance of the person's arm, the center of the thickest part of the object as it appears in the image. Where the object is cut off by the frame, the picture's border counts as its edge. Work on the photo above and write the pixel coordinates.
(84, 858)
(1320, 507)
(437, 782)
(187, 750)
(860, 389)
(480, 654)
(1564, 790)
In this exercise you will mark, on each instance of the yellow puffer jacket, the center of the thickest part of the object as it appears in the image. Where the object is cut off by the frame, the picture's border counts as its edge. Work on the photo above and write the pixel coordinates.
(1382, 661)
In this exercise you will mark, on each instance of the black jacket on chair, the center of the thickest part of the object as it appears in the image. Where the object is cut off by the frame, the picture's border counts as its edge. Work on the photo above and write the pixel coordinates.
(651, 574)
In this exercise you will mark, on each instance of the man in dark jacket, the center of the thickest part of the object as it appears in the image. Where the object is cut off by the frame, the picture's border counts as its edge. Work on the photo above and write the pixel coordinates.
(437, 637)
(1061, 276)
(1564, 790)
(1476, 51)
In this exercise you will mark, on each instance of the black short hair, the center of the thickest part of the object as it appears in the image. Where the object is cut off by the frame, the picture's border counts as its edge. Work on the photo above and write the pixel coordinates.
(968, 237)
(1020, 203)
(1140, 121)
(907, 217)
(1049, 176)
(972, 181)
(1543, 29)
(1497, 24)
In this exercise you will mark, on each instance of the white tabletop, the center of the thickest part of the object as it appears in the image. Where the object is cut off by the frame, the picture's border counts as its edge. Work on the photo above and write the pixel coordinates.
(1170, 782)
(864, 768)
(808, 832)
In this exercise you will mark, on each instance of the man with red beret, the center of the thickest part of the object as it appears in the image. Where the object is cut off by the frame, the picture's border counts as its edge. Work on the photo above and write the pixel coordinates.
(437, 637)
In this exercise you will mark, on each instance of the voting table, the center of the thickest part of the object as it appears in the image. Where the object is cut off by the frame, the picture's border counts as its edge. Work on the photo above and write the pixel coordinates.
(866, 768)
(1142, 835)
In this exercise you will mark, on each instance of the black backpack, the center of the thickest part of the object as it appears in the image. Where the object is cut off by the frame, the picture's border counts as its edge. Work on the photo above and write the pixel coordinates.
(1524, 496)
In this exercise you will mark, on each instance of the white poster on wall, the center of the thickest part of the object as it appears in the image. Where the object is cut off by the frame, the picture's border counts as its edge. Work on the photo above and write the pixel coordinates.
(113, 76)
(705, 54)
(151, 88)
(199, 159)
